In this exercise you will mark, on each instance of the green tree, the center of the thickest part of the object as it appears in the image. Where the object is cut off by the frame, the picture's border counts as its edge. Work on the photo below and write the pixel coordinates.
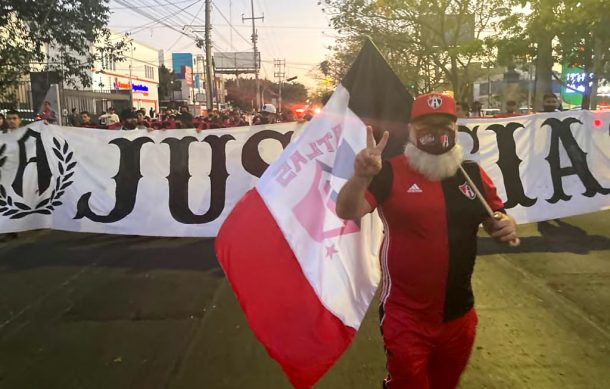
(167, 83)
(527, 37)
(243, 94)
(293, 92)
(66, 36)
(584, 41)
(569, 32)
(335, 67)
(427, 42)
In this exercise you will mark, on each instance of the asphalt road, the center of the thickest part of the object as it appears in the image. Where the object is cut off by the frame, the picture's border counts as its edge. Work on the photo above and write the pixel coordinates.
(105, 311)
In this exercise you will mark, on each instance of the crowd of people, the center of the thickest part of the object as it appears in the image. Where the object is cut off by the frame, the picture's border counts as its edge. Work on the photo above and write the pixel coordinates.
(550, 103)
(169, 119)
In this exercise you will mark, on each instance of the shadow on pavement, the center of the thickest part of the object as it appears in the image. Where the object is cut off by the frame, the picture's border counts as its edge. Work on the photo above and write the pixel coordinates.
(556, 236)
(135, 253)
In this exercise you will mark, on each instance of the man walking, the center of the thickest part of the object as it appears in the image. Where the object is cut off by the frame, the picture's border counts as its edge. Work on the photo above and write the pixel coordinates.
(431, 217)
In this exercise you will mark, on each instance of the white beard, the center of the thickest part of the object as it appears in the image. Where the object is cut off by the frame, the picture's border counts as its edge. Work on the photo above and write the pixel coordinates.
(434, 167)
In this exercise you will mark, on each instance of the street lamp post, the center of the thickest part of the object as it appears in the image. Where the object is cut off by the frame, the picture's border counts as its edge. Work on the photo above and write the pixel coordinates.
(529, 87)
(280, 97)
(488, 89)
(488, 67)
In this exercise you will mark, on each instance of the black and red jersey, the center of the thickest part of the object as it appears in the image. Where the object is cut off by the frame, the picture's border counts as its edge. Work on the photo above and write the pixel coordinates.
(430, 240)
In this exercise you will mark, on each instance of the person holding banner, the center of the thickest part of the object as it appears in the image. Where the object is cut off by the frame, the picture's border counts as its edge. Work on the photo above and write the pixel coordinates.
(129, 121)
(85, 120)
(550, 102)
(431, 216)
(109, 118)
(3, 125)
(13, 120)
(47, 114)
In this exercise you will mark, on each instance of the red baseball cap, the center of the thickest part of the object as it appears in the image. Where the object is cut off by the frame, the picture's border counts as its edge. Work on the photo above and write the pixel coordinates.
(433, 103)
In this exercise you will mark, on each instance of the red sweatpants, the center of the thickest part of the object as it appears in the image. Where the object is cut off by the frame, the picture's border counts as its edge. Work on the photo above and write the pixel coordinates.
(422, 355)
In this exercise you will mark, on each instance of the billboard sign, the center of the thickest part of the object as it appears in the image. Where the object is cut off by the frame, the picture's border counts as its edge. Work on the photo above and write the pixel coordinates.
(236, 62)
(187, 73)
(577, 84)
(178, 61)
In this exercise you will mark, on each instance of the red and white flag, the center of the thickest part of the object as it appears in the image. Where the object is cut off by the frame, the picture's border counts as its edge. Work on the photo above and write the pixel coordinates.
(303, 276)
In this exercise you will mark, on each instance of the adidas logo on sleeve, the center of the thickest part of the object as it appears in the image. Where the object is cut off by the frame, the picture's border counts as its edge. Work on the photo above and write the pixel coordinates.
(414, 189)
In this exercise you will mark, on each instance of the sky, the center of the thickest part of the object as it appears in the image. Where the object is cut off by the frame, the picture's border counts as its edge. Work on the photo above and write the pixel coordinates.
(295, 30)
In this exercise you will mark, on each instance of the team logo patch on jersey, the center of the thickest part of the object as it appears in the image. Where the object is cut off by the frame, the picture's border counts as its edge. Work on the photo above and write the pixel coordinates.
(414, 189)
(435, 102)
(467, 191)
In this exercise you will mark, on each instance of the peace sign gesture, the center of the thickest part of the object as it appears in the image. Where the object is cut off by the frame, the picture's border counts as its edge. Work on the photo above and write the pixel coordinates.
(368, 161)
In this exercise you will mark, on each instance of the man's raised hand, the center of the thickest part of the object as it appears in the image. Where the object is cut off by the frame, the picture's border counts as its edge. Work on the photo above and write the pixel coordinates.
(368, 162)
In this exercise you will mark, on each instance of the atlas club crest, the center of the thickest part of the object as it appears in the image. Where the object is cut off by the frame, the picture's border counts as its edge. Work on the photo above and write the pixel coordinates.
(435, 101)
(321, 196)
(467, 191)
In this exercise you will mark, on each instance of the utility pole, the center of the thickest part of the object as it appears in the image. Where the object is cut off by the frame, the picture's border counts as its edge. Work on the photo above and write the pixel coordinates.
(206, 44)
(256, 64)
(231, 23)
(209, 72)
(279, 72)
(130, 75)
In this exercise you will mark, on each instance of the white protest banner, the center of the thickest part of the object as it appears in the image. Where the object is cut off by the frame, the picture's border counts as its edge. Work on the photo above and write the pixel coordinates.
(184, 183)
(547, 165)
(162, 183)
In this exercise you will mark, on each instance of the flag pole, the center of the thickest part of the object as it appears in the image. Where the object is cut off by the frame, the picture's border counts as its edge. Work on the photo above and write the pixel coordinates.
(513, 243)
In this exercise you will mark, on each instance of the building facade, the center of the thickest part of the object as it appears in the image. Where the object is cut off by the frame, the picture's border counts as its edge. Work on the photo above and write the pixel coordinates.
(138, 75)
(190, 71)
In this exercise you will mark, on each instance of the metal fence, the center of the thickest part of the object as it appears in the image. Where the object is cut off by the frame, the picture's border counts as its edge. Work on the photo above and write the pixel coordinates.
(95, 102)
(17, 97)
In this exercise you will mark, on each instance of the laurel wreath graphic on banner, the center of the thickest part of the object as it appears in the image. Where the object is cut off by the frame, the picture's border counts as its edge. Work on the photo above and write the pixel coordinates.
(65, 165)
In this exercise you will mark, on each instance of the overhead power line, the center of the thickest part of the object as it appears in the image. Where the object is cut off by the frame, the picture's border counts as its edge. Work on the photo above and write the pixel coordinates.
(266, 26)
(229, 23)
(150, 6)
(178, 17)
(154, 20)
(255, 56)
(270, 38)
(192, 21)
